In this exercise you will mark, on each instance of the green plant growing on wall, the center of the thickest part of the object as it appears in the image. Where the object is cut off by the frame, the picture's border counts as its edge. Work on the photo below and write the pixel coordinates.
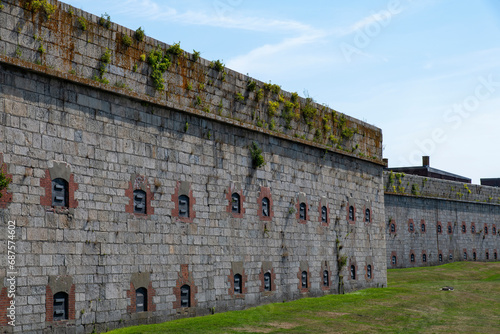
(1, 5)
(105, 60)
(135, 68)
(186, 127)
(201, 86)
(105, 20)
(273, 88)
(308, 112)
(272, 124)
(295, 98)
(272, 107)
(142, 57)
(189, 86)
(197, 101)
(82, 23)
(317, 136)
(217, 65)
(159, 64)
(19, 52)
(196, 55)
(239, 97)
(347, 133)
(4, 182)
(288, 114)
(467, 188)
(256, 154)
(126, 40)
(251, 85)
(175, 49)
(40, 5)
(140, 34)
(414, 189)
(260, 94)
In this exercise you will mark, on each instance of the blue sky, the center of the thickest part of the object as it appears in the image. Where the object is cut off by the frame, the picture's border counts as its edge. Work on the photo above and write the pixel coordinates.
(427, 72)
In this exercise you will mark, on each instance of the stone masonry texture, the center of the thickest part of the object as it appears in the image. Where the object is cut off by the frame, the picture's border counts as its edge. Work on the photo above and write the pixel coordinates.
(108, 140)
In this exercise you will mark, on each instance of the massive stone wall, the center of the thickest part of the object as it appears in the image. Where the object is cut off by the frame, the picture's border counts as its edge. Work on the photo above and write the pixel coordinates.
(431, 221)
(108, 144)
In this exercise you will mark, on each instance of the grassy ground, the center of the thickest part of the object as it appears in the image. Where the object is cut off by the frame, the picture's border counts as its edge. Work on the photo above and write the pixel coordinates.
(413, 303)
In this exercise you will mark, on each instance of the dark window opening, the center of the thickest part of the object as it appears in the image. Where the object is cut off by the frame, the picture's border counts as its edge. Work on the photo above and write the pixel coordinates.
(394, 260)
(451, 257)
(141, 300)
(302, 212)
(324, 214)
(449, 229)
(139, 201)
(267, 282)
(351, 213)
(464, 228)
(411, 227)
(326, 278)
(235, 203)
(265, 207)
(487, 256)
(304, 279)
(238, 284)
(474, 256)
(185, 296)
(412, 257)
(184, 206)
(440, 257)
(422, 227)
(494, 231)
(60, 306)
(495, 256)
(367, 215)
(59, 192)
(393, 228)
(353, 272)
(473, 229)
(439, 228)
(369, 271)
(486, 230)
(465, 255)
(424, 257)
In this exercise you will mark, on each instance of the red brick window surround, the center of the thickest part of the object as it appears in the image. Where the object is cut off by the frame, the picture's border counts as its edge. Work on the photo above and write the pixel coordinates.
(394, 259)
(304, 280)
(367, 212)
(271, 276)
(265, 193)
(302, 208)
(185, 277)
(61, 171)
(150, 293)
(439, 228)
(235, 200)
(351, 213)
(6, 196)
(240, 290)
(392, 227)
(183, 188)
(4, 305)
(49, 303)
(138, 185)
(411, 226)
(369, 272)
(323, 212)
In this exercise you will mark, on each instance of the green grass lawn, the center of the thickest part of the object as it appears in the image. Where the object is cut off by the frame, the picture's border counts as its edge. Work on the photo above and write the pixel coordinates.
(413, 303)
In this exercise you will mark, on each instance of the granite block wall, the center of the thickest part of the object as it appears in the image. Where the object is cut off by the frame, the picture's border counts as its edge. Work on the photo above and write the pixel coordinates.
(119, 261)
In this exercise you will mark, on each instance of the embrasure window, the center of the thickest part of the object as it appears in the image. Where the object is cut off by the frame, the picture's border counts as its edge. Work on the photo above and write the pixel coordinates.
(185, 296)
(302, 213)
(235, 203)
(422, 227)
(60, 306)
(440, 257)
(59, 192)
(369, 271)
(304, 279)
(238, 284)
(393, 228)
(412, 257)
(351, 213)
(424, 257)
(326, 278)
(139, 201)
(367, 215)
(324, 214)
(411, 227)
(141, 300)
(353, 272)
(184, 206)
(394, 260)
(439, 228)
(265, 207)
(267, 282)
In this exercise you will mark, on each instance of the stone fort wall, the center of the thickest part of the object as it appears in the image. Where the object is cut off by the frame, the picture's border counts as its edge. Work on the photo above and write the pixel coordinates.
(432, 221)
(189, 141)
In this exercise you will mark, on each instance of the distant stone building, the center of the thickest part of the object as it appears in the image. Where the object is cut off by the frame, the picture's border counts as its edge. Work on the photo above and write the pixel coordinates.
(431, 220)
